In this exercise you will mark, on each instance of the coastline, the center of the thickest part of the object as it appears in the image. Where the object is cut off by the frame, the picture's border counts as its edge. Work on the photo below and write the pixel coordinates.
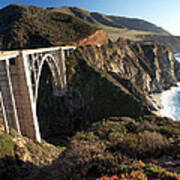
(156, 101)
(167, 103)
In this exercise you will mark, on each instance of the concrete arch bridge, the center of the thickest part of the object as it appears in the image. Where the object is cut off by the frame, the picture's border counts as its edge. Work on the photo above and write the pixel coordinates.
(20, 73)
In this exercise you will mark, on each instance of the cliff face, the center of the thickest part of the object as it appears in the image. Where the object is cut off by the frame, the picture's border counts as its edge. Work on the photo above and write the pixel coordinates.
(137, 70)
(173, 42)
(146, 67)
(115, 79)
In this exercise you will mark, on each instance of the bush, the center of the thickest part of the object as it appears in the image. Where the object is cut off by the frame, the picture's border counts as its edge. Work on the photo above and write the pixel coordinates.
(6, 146)
(143, 145)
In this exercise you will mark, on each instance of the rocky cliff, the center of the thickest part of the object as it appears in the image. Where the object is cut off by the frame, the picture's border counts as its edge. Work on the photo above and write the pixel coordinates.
(149, 67)
(114, 79)
(98, 38)
(136, 69)
(173, 42)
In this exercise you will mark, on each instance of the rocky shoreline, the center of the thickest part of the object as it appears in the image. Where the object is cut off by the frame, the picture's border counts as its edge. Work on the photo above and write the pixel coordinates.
(156, 102)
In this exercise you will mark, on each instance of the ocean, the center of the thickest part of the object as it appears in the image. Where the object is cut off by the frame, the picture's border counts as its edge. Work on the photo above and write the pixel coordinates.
(170, 100)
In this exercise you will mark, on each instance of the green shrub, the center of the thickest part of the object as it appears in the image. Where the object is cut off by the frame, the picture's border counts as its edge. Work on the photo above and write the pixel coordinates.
(6, 146)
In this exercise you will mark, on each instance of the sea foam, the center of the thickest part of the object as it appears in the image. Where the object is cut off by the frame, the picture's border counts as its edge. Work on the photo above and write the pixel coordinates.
(170, 100)
(177, 57)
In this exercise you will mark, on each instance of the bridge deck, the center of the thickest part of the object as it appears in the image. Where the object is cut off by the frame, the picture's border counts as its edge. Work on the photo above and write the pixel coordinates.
(4, 55)
(8, 54)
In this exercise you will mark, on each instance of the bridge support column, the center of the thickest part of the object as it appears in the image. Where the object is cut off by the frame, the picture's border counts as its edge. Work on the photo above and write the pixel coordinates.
(23, 95)
(4, 115)
(62, 67)
(8, 99)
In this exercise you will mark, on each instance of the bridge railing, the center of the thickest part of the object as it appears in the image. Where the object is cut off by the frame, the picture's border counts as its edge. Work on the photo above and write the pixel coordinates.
(5, 55)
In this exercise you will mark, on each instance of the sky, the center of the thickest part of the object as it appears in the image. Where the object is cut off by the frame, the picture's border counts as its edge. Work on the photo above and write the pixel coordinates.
(164, 13)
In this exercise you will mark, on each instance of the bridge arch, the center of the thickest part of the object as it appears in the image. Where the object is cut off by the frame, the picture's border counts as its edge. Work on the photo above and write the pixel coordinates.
(56, 76)
(47, 86)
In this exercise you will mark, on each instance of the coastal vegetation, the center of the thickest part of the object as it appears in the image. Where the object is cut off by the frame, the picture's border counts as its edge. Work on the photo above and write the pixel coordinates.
(112, 148)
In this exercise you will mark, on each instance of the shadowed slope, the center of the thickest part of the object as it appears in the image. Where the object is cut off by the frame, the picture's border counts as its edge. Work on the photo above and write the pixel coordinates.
(29, 27)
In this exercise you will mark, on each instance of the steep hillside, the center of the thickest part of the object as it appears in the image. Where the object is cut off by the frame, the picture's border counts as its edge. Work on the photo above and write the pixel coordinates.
(137, 24)
(129, 28)
(29, 27)
(20, 155)
(111, 21)
(120, 148)
(173, 42)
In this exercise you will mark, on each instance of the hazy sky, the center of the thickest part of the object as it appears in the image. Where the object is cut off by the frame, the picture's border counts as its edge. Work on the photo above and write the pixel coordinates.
(164, 13)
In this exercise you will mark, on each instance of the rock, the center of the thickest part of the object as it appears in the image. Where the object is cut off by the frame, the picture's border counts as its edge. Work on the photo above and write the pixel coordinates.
(98, 38)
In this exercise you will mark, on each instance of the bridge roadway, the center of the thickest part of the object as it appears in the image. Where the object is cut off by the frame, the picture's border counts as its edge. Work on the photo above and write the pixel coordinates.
(12, 54)
(20, 72)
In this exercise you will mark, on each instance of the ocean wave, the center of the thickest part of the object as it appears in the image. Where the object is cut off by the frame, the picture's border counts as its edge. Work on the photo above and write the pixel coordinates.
(170, 101)
(177, 57)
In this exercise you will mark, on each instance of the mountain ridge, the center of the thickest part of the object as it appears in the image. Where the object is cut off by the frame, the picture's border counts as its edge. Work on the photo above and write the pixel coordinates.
(129, 28)
(110, 20)
(32, 27)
